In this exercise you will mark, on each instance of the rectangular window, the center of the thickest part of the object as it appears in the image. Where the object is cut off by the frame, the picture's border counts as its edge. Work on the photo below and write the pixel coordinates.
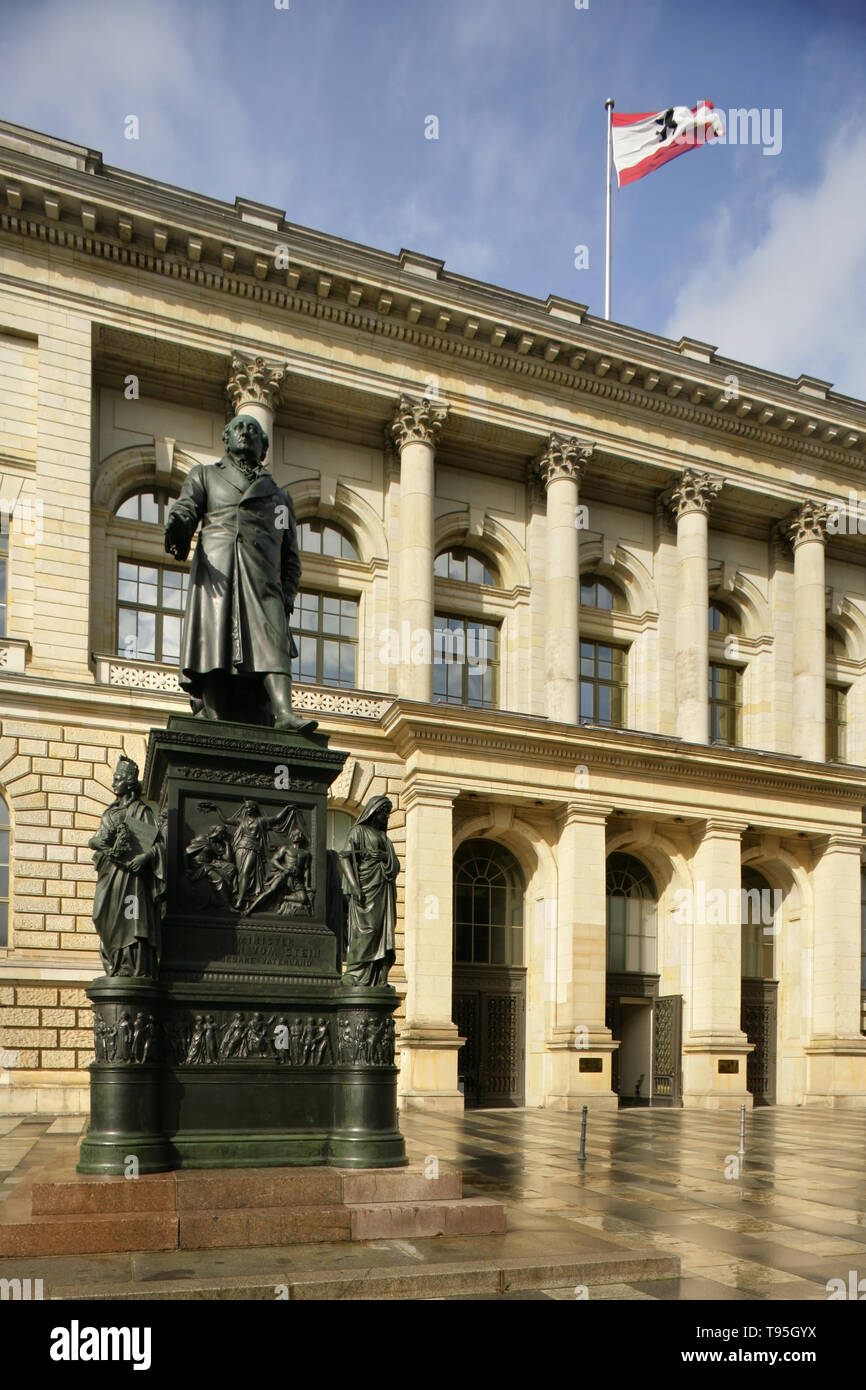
(724, 711)
(465, 662)
(631, 935)
(836, 723)
(325, 629)
(602, 684)
(151, 600)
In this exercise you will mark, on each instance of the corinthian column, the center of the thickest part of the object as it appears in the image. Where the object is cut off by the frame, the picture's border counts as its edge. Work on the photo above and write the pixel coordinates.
(807, 531)
(560, 467)
(415, 430)
(253, 388)
(689, 499)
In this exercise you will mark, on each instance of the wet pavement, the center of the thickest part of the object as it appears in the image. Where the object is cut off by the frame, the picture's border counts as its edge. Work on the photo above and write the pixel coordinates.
(778, 1224)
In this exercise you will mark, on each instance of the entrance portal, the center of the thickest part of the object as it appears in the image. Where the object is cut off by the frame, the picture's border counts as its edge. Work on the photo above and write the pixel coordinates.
(489, 978)
(761, 911)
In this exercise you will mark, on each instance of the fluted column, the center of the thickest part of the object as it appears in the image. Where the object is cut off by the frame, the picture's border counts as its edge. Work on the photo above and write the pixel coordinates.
(807, 532)
(253, 388)
(689, 499)
(415, 430)
(560, 467)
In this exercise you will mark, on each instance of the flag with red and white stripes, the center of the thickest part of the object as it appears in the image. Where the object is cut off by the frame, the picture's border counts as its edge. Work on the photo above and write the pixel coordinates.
(645, 141)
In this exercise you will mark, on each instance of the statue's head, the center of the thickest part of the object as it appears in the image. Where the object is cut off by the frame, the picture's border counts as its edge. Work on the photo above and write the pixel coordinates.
(125, 777)
(245, 440)
(250, 808)
(376, 813)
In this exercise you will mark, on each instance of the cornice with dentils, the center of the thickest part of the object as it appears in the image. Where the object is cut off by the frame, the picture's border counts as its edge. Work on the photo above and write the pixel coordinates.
(139, 223)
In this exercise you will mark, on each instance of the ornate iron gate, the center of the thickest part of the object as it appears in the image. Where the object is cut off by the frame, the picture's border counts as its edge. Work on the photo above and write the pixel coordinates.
(758, 1020)
(489, 1008)
(668, 1050)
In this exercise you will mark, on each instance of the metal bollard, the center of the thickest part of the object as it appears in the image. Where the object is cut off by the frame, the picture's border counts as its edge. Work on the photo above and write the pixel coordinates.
(742, 1149)
(582, 1154)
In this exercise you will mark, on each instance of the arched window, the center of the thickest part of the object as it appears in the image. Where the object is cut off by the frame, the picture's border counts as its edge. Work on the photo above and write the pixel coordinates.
(835, 641)
(599, 592)
(632, 903)
(466, 566)
(759, 915)
(318, 537)
(4, 872)
(723, 619)
(488, 905)
(148, 505)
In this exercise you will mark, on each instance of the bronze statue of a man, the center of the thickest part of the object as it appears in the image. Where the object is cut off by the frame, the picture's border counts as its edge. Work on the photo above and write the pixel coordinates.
(237, 649)
(130, 887)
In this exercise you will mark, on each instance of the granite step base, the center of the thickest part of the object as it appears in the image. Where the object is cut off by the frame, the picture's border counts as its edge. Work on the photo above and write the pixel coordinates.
(67, 1213)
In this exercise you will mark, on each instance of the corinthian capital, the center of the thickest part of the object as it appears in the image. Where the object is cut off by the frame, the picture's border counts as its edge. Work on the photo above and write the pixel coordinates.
(692, 492)
(254, 379)
(563, 456)
(418, 421)
(807, 523)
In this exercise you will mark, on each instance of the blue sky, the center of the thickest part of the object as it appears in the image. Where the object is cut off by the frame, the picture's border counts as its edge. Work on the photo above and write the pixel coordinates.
(320, 109)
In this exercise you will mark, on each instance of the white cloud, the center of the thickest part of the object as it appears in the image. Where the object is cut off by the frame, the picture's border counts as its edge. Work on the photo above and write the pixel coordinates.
(790, 295)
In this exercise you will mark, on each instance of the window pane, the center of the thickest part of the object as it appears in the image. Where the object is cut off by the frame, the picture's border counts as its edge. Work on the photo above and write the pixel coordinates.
(146, 636)
(171, 631)
(148, 508)
(330, 662)
(481, 946)
(347, 664)
(127, 633)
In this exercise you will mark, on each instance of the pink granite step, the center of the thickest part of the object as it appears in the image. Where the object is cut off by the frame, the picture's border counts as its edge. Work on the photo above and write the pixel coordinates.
(469, 1216)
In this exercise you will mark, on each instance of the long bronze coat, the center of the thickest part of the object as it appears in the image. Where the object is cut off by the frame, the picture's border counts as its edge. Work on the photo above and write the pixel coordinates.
(244, 574)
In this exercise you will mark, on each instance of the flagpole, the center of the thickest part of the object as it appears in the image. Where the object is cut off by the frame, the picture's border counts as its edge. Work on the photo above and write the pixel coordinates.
(608, 106)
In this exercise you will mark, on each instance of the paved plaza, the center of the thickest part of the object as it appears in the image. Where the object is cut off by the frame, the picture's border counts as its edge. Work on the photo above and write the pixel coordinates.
(794, 1218)
(655, 1181)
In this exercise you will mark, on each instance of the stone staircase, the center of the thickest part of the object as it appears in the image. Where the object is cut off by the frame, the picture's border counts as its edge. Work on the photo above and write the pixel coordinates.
(73, 1214)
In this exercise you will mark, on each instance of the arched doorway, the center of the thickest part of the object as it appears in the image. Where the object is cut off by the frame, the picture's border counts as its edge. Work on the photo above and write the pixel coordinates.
(489, 977)
(647, 1065)
(759, 989)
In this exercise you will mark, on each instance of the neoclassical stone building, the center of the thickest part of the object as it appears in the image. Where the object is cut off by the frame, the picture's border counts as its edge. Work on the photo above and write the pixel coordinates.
(589, 604)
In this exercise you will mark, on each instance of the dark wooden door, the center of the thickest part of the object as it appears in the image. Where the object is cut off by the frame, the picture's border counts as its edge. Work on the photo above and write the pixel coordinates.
(758, 1020)
(668, 1050)
(490, 1013)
